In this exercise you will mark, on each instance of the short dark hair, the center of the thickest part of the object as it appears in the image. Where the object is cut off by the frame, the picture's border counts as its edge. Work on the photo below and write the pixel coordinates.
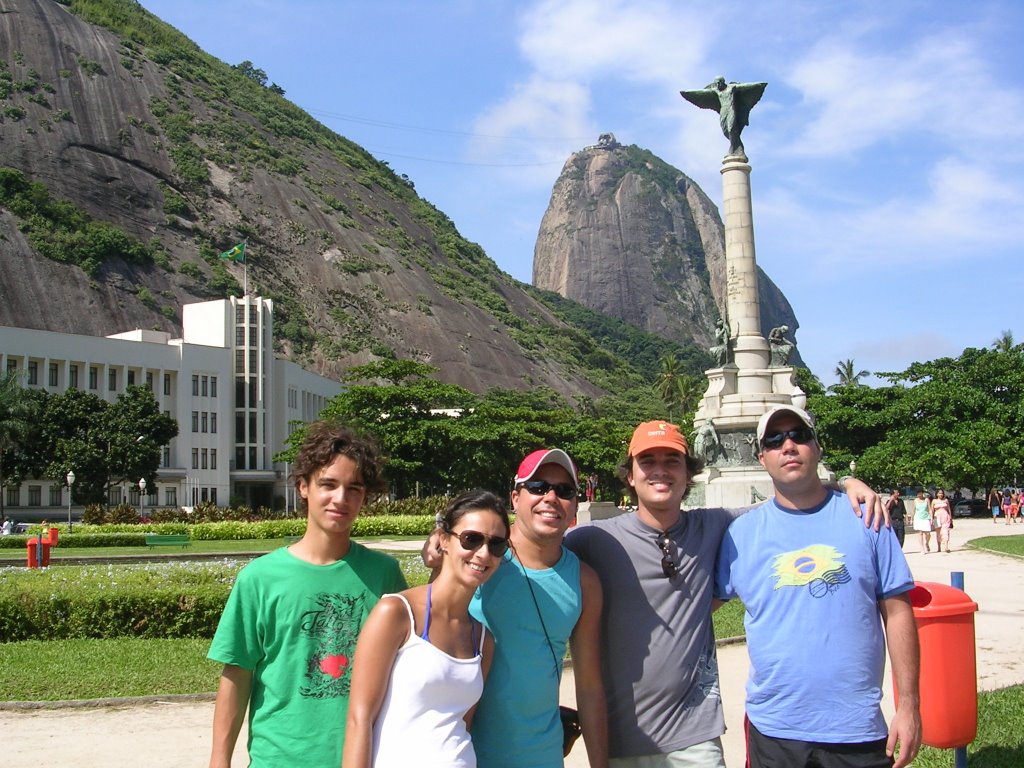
(474, 501)
(324, 441)
(694, 467)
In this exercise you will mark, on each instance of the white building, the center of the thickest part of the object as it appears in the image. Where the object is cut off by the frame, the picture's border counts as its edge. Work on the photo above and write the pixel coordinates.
(232, 399)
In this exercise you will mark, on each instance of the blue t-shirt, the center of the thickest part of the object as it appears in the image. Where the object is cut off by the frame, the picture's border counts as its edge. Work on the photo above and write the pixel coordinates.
(810, 581)
(516, 724)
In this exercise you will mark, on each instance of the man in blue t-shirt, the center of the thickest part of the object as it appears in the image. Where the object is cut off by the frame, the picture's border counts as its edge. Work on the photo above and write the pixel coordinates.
(818, 587)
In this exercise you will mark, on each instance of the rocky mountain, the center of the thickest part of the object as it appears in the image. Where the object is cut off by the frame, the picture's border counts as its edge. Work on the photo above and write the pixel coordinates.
(628, 235)
(129, 159)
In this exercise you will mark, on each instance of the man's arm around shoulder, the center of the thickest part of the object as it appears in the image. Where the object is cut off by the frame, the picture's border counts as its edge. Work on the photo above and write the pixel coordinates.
(585, 644)
(905, 655)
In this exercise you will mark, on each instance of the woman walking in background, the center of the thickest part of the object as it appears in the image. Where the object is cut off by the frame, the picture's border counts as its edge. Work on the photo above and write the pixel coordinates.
(421, 660)
(943, 516)
(923, 523)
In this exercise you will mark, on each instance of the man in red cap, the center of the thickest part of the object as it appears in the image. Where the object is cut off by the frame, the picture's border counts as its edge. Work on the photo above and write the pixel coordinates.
(541, 598)
(656, 567)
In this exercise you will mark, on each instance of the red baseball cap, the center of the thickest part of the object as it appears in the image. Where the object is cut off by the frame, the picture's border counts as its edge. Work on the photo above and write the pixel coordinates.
(529, 466)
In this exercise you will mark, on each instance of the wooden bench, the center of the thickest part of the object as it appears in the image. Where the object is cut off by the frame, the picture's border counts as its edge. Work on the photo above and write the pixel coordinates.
(168, 540)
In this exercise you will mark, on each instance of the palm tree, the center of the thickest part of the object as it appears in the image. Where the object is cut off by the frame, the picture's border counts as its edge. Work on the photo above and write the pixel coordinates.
(16, 419)
(845, 372)
(1004, 342)
(678, 389)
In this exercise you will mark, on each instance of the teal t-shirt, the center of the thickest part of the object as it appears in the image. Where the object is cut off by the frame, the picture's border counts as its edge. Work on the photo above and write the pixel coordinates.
(295, 624)
(516, 724)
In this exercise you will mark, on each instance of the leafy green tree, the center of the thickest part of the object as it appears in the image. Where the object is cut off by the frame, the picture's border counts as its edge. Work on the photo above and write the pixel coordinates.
(848, 374)
(951, 422)
(17, 415)
(1004, 342)
(106, 444)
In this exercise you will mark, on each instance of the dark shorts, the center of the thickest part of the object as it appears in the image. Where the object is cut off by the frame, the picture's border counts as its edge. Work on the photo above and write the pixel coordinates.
(773, 752)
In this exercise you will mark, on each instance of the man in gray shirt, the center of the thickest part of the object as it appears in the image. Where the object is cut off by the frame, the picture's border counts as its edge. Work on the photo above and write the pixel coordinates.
(656, 568)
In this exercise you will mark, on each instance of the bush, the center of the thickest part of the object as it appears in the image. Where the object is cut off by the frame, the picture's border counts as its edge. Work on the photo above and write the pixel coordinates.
(105, 601)
(94, 514)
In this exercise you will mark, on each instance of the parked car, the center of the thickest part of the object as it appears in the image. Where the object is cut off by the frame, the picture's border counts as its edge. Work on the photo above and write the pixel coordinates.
(969, 508)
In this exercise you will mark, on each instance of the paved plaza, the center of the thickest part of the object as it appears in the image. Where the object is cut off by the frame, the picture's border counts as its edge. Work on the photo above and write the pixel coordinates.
(176, 734)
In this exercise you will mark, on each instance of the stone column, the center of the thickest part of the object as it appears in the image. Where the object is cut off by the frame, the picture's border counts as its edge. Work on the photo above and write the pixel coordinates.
(742, 303)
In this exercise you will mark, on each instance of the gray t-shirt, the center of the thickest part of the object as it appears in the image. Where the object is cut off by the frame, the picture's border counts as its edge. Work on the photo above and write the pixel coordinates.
(658, 645)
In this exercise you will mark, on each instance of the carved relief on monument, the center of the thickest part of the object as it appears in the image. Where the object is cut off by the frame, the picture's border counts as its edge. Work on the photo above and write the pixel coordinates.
(737, 449)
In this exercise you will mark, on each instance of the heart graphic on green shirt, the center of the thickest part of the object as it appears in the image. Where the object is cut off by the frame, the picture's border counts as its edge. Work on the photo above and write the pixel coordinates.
(334, 665)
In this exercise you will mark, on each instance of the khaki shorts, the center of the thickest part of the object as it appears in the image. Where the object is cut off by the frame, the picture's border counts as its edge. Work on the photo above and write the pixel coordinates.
(707, 754)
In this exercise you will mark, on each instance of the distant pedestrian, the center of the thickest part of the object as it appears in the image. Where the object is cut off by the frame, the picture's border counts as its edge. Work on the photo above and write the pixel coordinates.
(897, 515)
(1007, 500)
(923, 522)
(943, 517)
(1015, 502)
(995, 501)
(6, 526)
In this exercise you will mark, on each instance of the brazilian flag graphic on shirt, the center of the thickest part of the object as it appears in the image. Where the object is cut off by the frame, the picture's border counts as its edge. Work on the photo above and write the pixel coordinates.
(819, 567)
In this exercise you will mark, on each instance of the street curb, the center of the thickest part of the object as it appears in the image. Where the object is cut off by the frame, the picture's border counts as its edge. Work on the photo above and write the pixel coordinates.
(113, 703)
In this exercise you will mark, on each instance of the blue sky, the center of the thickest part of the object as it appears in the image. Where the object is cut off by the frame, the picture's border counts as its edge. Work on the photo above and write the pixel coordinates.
(887, 152)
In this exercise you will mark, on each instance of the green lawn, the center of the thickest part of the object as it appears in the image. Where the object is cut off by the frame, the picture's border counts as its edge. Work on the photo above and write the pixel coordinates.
(1004, 545)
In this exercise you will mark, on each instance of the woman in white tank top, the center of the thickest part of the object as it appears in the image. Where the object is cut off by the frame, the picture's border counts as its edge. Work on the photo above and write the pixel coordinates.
(421, 660)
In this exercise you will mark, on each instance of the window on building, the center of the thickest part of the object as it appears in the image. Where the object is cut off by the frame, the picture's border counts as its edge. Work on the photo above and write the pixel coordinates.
(12, 365)
(252, 314)
(239, 361)
(252, 458)
(195, 386)
(35, 495)
(112, 380)
(94, 377)
(195, 421)
(252, 393)
(204, 494)
(213, 458)
(14, 496)
(73, 377)
(254, 362)
(293, 397)
(213, 386)
(149, 380)
(206, 459)
(213, 495)
(171, 497)
(213, 423)
(195, 458)
(206, 385)
(56, 495)
(239, 314)
(33, 372)
(205, 419)
(239, 427)
(239, 335)
(53, 374)
(253, 336)
(239, 392)
(240, 457)
(252, 427)
(167, 383)
(165, 460)
(131, 378)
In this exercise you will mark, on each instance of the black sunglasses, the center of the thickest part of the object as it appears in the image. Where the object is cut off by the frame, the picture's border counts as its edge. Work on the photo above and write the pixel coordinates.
(669, 567)
(567, 491)
(800, 436)
(471, 541)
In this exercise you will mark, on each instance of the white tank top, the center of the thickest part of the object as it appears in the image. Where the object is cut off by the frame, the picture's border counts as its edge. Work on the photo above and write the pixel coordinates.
(421, 719)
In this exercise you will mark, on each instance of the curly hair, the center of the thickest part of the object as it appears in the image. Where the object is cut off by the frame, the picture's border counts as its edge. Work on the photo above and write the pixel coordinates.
(325, 440)
(694, 466)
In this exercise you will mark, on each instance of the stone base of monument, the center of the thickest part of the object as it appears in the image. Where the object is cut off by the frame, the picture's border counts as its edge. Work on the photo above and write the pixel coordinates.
(736, 486)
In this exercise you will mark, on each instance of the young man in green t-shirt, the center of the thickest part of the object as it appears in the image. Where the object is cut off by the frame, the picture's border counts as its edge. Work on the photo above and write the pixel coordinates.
(288, 632)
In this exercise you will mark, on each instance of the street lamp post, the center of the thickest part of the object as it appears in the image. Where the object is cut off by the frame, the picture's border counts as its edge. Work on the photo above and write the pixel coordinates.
(70, 477)
(142, 497)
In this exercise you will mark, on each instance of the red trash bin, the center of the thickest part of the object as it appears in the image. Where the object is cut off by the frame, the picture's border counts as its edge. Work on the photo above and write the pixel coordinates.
(949, 676)
(54, 536)
(32, 546)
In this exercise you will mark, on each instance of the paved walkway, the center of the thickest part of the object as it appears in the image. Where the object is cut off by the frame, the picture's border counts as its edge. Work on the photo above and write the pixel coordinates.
(177, 734)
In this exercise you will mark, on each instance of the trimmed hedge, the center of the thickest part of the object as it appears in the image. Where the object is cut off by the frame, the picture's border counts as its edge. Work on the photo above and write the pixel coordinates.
(133, 534)
(106, 601)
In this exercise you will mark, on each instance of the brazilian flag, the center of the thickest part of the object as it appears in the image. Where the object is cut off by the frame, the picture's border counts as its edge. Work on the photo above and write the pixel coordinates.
(235, 254)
